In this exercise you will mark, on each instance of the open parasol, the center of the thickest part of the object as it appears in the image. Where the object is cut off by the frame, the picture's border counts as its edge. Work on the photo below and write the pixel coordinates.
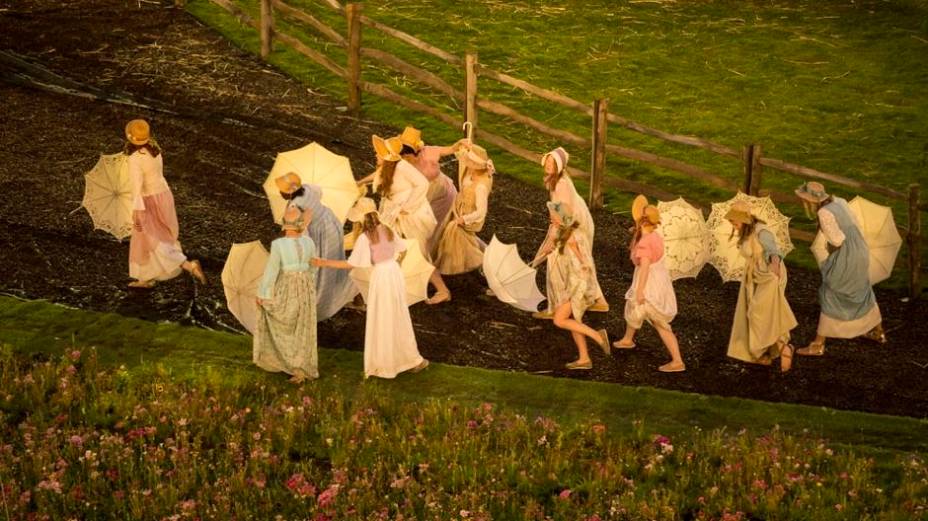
(686, 238)
(416, 272)
(316, 166)
(108, 195)
(511, 280)
(240, 278)
(724, 252)
(879, 232)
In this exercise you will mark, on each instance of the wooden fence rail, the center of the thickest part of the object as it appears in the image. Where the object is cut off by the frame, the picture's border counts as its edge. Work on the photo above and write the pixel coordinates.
(751, 157)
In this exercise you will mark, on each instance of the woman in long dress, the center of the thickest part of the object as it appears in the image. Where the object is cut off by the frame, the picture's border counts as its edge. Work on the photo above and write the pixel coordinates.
(848, 304)
(334, 289)
(572, 283)
(154, 251)
(561, 190)
(441, 193)
(402, 189)
(651, 297)
(285, 337)
(389, 340)
(459, 250)
(763, 319)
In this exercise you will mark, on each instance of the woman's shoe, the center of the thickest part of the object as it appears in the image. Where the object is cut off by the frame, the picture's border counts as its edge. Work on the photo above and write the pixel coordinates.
(876, 334)
(579, 366)
(599, 307)
(604, 342)
(420, 367)
(197, 271)
(438, 298)
(813, 349)
(786, 357)
(142, 284)
(543, 315)
(619, 344)
(672, 367)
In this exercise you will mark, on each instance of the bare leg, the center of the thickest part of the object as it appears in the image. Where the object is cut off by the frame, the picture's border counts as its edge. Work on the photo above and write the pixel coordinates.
(627, 341)
(673, 347)
(442, 293)
(583, 354)
(563, 320)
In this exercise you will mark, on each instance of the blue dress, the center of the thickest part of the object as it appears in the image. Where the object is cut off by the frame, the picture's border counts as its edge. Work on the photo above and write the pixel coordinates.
(846, 293)
(334, 288)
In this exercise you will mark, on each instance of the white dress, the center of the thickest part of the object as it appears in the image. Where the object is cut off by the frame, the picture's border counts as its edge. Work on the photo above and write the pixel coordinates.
(408, 194)
(660, 301)
(389, 340)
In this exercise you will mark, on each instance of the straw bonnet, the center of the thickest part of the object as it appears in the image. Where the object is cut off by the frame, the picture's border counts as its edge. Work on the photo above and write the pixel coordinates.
(362, 207)
(641, 208)
(387, 149)
(740, 212)
(412, 137)
(288, 183)
(478, 158)
(293, 219)
(561, 157)
(812, 192)
(138, 132)
(558, 208)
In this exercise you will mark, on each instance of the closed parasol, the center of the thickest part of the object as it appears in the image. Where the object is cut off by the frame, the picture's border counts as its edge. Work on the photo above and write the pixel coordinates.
(240, 278)
(108, 195)
(879, 232)
(416, 272)
(317, 166)
(511, 280)
(724, 251)
(686, 238)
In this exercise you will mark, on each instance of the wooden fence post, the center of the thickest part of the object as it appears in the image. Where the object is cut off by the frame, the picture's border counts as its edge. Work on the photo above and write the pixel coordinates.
(470, 89)
(353, 12)
(267, 28)
(747, 162)
(757, 170)
(598, 154)
(180, 4)
(914, 242)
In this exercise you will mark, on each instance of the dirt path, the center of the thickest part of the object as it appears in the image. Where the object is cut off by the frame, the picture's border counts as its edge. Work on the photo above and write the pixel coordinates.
(233, 114)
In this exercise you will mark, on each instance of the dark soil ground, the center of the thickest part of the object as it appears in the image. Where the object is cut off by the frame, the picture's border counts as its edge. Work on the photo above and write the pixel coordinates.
(232, 114)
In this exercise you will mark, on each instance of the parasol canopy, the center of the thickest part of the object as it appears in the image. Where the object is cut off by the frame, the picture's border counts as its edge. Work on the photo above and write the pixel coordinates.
(316, 166)
(510, 279)
(240, 278)
(416, 272)
(879, 232)
(686, 238)
(724, 252)
(108, 195)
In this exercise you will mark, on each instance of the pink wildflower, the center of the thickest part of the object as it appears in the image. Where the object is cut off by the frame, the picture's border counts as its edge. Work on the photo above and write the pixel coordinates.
(75, 355)
(565, 494)
(327, 496)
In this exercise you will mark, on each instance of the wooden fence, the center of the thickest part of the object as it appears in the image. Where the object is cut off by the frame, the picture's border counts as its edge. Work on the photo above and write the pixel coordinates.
(750, 156)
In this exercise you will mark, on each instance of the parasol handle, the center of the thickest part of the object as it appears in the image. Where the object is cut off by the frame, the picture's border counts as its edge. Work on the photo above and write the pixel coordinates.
(468, 128)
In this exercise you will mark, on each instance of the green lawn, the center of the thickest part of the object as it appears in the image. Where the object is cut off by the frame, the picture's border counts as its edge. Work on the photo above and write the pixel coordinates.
(837, 86)
(189, 353)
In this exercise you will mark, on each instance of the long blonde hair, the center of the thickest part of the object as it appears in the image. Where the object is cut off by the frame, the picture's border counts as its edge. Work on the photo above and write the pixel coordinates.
(387, 172)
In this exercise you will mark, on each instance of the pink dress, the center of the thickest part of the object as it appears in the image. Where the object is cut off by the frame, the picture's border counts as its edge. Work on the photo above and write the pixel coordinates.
(154, 252)
(441, 192)
(660, 302)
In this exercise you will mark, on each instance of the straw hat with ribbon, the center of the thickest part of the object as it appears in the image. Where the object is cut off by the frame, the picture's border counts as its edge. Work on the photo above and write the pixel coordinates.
(478, 159)
(387, 149)
(293, 220)
(812, 192)
(138, 132)
(412, 137)
(740, 212)
(362, 207)
(642, 210)
(288, 183)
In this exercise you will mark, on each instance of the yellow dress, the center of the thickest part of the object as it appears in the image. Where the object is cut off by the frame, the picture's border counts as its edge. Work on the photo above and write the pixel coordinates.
(459, 250)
